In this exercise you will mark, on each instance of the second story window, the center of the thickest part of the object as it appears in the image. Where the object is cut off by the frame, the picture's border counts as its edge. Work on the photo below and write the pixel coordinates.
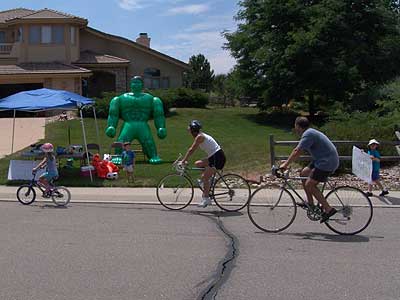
(34, 35)
(2, 37)
(73, 35)
(46, 34)
(58, 34)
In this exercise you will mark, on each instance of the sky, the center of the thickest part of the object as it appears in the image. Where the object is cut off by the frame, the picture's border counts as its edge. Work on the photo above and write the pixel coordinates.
(179, 28)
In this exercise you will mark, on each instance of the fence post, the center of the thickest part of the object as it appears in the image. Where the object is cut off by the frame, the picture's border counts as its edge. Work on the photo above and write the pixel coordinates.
(272, 149)
(398, 136)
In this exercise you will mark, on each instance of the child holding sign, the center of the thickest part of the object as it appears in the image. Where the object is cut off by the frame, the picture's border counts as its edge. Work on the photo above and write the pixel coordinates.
(375, 156)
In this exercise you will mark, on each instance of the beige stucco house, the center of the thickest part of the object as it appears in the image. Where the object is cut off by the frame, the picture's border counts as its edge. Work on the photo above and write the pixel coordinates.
(47, 48)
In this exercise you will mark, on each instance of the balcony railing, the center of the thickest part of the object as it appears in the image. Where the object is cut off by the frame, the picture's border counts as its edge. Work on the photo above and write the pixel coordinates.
(5, 48)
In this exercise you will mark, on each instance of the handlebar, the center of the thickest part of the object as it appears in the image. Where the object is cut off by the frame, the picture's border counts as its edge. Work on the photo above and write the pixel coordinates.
(178, 165)
(280, 173)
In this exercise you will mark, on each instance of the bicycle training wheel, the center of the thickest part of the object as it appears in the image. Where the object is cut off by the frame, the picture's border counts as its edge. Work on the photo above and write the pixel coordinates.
(61, 196)
(175, 191)
(26, 194)
(272, 208)
(230, 192)
(354, 210)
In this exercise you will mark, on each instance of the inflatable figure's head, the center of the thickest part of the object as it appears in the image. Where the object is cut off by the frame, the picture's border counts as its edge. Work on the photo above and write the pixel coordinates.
(136, 84)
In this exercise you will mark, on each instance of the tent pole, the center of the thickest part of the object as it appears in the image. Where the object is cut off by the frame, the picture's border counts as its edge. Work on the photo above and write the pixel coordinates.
(97, 127)
(84, 140)
(13, 131)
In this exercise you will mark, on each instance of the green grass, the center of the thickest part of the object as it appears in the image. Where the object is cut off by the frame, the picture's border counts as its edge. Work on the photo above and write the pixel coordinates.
(239, 130)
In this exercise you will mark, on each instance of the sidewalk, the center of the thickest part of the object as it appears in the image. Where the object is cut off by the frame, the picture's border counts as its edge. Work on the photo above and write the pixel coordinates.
(148, 196)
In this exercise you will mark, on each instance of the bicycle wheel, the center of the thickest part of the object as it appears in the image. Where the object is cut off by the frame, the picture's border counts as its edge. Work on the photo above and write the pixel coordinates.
(26, 194)
(230, 192)
(272, 208)
(175, 191)
(354, 210)
(61, 196)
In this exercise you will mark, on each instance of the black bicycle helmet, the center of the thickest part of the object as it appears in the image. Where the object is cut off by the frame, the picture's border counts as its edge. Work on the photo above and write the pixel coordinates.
(195, 125)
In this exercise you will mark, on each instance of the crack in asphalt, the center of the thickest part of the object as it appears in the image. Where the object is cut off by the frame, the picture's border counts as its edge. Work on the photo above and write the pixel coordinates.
(226, 264)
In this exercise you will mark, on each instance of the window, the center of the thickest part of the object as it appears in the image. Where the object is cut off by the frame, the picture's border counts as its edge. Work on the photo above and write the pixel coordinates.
(152, 72)
(2, 37)
(46, 35)
(58, 34)
(34, 35)
(19, 35)
(73, 35)
(152, 78)
(165, 83)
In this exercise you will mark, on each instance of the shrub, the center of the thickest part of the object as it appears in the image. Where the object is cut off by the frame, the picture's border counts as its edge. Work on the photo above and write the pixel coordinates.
(180, 97)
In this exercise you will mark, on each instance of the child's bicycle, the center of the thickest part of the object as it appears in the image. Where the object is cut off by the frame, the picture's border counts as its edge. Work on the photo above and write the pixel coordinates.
(26, 193)
(175, 191)
(272, 208)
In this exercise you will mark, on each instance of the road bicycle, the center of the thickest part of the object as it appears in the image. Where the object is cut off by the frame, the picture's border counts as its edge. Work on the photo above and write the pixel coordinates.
(26, 193)
(175, 191)
(272, 208)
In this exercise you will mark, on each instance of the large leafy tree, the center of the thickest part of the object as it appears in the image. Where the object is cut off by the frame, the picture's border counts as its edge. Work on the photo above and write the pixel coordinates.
(315, 49)
(199, 75)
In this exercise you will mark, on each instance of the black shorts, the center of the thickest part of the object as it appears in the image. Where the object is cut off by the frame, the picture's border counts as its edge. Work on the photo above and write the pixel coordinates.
(318, 174)
(217, 160)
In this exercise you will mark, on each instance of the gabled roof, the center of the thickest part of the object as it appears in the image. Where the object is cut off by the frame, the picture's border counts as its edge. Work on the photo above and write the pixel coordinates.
(89, 58)
(129, 42)
(46, 13)
(14, 13)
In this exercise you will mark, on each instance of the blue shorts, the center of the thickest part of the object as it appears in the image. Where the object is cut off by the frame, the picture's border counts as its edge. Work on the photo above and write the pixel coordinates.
(49, 176)
(375, 175)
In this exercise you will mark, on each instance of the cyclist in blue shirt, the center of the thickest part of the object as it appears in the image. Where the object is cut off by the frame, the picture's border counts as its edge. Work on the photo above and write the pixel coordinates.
(325, 161)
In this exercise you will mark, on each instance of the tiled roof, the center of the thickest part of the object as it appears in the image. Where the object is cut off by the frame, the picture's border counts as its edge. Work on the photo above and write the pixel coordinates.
(47, 13)
(14, 13)
(28, 14)
(89, 57)
(40, 68)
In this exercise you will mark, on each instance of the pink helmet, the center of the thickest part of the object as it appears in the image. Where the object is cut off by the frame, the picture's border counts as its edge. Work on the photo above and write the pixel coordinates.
(47, 147)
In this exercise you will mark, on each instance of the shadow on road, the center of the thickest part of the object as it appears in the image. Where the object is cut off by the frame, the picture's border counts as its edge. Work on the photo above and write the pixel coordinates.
(389, 200)
(325, 237)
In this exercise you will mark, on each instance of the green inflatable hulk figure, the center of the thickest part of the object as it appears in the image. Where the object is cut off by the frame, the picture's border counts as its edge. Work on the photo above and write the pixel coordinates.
(135, 109)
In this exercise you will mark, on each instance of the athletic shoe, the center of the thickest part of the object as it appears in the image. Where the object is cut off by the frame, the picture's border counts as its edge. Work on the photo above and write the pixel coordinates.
(369, 194)
(383, 193)
(325, 216)
(205, 202)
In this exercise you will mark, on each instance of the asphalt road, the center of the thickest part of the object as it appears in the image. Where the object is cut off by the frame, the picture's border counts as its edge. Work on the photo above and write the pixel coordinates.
(113, 251)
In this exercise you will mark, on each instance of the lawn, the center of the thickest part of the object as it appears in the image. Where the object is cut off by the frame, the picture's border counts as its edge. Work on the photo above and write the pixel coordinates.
(243, 137)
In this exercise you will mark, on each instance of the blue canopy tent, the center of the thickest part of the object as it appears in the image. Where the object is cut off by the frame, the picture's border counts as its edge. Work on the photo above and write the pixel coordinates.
(48, 99)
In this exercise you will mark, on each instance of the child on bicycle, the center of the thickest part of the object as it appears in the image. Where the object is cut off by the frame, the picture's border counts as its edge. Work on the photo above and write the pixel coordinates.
(215, 157)
(49, 161)
(375, 156)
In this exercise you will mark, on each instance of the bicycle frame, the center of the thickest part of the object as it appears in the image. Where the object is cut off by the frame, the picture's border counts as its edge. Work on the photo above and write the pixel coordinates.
(286, 184)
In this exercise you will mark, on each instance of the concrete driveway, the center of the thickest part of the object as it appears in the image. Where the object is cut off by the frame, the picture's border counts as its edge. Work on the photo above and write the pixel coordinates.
(27, 131)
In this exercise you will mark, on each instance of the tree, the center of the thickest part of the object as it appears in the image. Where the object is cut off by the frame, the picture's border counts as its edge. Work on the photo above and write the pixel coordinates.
(311, 50)
(200, 75)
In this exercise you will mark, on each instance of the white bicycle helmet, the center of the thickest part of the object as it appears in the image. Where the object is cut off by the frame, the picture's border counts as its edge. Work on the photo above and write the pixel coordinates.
(47, 147)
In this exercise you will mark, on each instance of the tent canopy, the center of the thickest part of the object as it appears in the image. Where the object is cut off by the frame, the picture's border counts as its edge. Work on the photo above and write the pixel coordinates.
(43, 99)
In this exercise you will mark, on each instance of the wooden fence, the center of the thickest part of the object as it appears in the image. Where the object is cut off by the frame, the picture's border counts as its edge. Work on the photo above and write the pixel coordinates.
(273, 143)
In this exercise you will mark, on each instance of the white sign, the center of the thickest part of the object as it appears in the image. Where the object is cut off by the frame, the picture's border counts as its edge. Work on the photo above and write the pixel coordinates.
(22, 169)
(362, 165)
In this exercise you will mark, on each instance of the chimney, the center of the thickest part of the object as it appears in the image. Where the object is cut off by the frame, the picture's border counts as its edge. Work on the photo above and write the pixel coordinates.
(143, 39)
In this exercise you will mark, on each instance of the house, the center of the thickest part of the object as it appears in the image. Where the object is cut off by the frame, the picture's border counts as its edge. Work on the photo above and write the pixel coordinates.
(52, 49)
